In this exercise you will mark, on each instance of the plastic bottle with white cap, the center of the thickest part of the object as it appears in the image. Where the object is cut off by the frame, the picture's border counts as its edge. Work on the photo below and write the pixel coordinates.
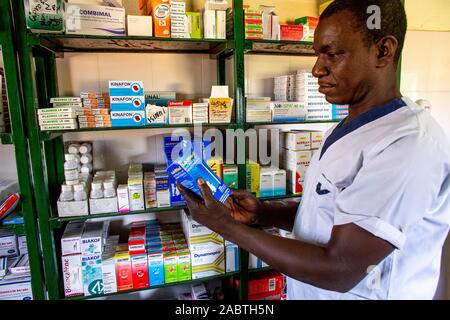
(86, 168)
(110, 191)
(79, 192)
(70, 167)
(85, 148)
(74, 148)
(66, 193)
(96, 190)
(86, 158)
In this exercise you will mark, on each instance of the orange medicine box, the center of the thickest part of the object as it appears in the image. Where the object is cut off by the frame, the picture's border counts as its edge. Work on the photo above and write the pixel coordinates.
(161, 18)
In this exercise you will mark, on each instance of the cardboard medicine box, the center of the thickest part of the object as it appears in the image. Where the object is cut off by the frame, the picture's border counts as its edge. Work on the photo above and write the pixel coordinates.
(124, 273)
(8, 244)
(92, 239)
(71, 239)
(207, 261)
(296, 140)
(72, 275)
(155, 266)
(91, 266)
(139, 269)
(94, 20)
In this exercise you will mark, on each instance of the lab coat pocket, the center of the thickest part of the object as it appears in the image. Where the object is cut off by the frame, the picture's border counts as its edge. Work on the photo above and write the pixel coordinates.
(325, 193)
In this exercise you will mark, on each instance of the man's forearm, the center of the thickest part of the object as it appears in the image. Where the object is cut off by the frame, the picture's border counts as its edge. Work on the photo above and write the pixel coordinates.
(301, 261)
(280, 214)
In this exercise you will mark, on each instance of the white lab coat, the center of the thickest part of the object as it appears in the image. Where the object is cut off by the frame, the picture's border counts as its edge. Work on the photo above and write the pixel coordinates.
(388, 171)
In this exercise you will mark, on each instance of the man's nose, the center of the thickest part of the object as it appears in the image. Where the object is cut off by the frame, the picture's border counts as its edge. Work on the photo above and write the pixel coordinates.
(319, 70)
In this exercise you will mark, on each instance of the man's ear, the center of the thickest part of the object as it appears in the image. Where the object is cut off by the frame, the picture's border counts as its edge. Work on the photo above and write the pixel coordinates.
(386, 49)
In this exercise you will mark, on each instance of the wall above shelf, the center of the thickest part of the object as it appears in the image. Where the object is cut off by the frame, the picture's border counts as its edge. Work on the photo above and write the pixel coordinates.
(90, 43)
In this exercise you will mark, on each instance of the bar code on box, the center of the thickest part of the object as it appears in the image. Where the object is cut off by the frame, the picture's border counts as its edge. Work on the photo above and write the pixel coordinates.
(272, 285)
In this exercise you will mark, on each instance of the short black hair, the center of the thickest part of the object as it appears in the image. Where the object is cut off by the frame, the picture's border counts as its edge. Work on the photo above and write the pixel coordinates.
(393, 19)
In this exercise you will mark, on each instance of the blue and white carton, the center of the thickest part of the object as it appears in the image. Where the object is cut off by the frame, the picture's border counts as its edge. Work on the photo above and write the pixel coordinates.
(126, 88)
(127, 118)
(190, 166)
(127, 103)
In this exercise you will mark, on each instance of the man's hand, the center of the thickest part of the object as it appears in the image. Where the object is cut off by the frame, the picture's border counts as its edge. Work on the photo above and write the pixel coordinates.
(207, 211)
(244, 207)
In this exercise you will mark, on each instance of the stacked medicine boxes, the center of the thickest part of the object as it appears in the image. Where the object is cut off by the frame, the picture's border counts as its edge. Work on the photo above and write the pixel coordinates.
(96, 110)
(166, 253)
(253, 24)
(92, 242)
(215, 19)
(138, 255)
(297, 149)
(272, 182)
(309, 27)
(62, 115)
(15, 277)
(127, 103)
(108, 265)
(178, 19)
(206, 247)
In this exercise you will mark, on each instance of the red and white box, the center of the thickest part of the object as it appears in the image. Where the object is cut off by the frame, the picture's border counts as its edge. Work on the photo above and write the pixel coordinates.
(139, 267)
(180, 111)
(296, 140)
(266, 287)
(291, 32)
(124, 274)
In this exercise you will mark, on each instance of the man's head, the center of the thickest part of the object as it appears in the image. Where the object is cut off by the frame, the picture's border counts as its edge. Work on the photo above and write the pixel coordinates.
(359, 43)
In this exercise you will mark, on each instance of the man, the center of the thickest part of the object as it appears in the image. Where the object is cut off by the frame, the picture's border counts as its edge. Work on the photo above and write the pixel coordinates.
(376, 207)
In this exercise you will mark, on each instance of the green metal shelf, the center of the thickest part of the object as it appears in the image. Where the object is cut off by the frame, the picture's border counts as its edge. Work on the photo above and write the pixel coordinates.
(6, 138)
(275, 47)
(91, 43)
(287, 196)
(292, 122)
(50, 135)
(225, 275)
(257, 270)
(57, 222)
(18, 228)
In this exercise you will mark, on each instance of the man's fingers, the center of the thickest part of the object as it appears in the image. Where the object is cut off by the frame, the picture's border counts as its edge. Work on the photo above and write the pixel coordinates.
(240, 194)
(206, 193)
(189, 196)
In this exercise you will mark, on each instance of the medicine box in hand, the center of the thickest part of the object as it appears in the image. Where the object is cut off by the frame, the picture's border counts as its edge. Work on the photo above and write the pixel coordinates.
(190, 166)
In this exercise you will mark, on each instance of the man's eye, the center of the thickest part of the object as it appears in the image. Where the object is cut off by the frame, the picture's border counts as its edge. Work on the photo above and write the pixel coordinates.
(331, 55)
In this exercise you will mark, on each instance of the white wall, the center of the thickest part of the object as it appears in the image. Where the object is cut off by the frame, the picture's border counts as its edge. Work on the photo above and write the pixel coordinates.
(425, 72)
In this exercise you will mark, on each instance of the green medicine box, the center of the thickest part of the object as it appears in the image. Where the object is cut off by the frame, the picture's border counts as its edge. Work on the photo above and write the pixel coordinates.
(230, 175)
(170, 267)
(184, 269)
(45, 15)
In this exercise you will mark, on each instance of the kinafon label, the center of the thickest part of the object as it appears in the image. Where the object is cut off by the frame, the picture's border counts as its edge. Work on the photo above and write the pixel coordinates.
(126, 88)
(127, 118)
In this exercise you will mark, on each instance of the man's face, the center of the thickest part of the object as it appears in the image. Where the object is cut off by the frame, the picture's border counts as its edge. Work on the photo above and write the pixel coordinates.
(344, 65)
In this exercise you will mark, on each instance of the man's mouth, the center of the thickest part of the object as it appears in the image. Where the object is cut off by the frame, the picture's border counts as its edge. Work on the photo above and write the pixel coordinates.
(325, 88)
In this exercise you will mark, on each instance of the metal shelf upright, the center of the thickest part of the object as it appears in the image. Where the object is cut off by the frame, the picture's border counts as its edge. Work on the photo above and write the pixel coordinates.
(18, 139)
(37, 54)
